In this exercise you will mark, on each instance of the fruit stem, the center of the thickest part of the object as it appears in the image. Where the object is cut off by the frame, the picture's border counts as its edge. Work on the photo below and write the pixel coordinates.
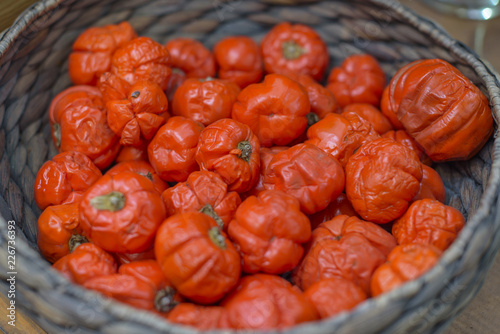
(246, 150)
(75, 241)
(217, 238)
(114, 201)
(164, 300)
(209, 211)
(148, 175)
(312, 118)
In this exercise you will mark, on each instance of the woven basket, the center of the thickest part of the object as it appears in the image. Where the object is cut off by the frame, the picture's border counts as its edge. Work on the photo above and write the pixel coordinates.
(33, 68)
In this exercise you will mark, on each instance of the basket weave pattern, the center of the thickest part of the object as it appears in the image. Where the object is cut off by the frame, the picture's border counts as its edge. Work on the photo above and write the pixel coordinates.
(33, 69)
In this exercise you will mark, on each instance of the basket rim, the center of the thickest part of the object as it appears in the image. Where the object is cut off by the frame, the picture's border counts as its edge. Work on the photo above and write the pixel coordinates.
(22, 23)
(487, 200)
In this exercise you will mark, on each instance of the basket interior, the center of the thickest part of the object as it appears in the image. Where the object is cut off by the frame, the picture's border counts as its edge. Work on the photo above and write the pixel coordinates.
(33, 69)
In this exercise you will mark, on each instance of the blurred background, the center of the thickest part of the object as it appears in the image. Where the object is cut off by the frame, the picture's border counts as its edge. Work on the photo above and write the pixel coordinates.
(481, 315)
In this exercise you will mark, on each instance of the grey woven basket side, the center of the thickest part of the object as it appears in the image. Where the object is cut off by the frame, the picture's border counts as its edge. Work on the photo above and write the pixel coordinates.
(33, 68)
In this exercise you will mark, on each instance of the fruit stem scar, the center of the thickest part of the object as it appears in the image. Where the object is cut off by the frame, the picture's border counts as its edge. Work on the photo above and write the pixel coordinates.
(217, 238)
(291, 50)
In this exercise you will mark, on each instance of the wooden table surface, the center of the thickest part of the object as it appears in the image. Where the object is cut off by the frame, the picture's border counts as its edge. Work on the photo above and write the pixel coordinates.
(482, 314)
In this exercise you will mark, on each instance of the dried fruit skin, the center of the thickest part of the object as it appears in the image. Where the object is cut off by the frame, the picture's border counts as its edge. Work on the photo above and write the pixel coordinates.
(197, 257)
(380, 123)
(296, 48)
(125, 289)
(121, 213)
(200, 317)
(66, 175)
(340, 206)
(382, 177)
(78, 120)
(133, 153)
(307, 173)
(112, 87)
(429, 222)
(148, 271)
(386, 109)
(441, 109)
(230, 149)
(137, 117)
(191, 57)
(268, 230)
(140, 284)
(321, 99)
(345, 247)
(265, 301)
(92, 51)
(124, 258)
(175, 80)
(205, 192)
(402, 137)
(55, 228)
(266, 155)
(404, 263)
(205, 101)
(84, 263)
(239, 60)
(431, 186)
(333, 295)
(172, 150)
(359, 79)
(275, 109)
(341, 135)
(142, 168)
(142, 59)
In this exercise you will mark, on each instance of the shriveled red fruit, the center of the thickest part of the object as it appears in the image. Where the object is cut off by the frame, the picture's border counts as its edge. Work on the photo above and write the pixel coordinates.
(345, 247)
(198, 316)
(331, 296)
(341, 135)
(205, 192)
(172, 150)
(431, 186)
(64, 179)
(446, 114)
(429, 222)
(307, 173)
(93, 49)
(275, 110)
(205, 100)
(230, 149)
(380, 123)
(86, 262)
(191, 57)
(267, 302)
(359, 79)
(58, 231)
(142, 168)
(404, 263)
(382, 177)
(402, 137)
(340, 206)
(142, 59)
(268, 230)
(197, 257)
